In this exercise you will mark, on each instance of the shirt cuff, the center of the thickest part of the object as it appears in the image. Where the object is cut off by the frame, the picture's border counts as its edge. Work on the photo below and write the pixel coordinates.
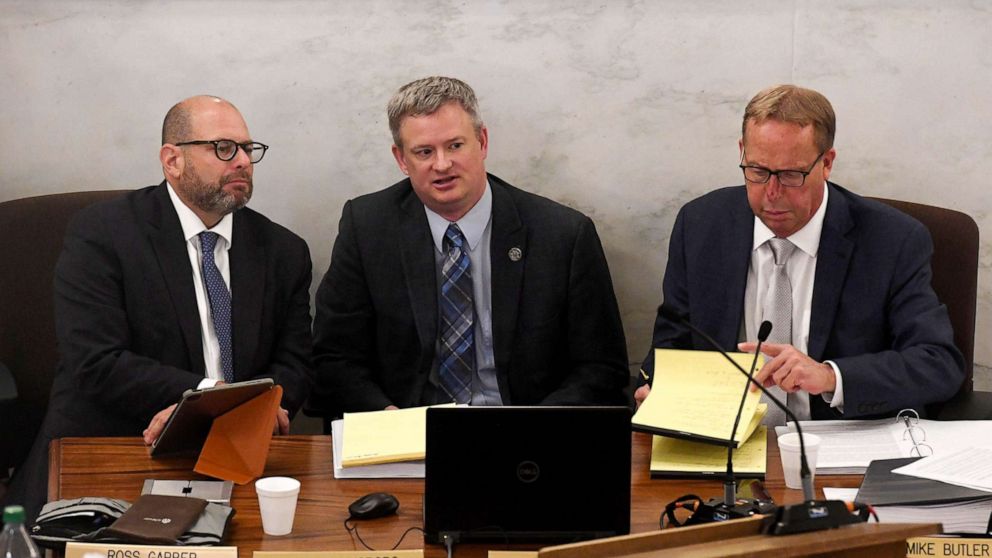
(207, 383)
(835, 398)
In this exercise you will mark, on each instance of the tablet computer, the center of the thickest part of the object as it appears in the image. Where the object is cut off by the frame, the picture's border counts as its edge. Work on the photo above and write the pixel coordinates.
(190, 421)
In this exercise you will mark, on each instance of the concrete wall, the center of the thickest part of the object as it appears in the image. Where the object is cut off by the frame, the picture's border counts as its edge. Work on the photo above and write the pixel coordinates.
(624, 110)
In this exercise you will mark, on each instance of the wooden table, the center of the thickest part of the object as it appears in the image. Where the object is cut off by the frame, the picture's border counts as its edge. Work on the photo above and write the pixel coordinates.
(117, 468)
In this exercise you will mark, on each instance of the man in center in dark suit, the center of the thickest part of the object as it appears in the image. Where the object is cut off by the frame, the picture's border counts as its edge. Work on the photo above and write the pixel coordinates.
(857, 330)
(174, 287)
(453, 285)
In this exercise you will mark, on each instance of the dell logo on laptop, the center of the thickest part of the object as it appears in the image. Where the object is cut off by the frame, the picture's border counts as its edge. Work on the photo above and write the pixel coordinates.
(528, 471)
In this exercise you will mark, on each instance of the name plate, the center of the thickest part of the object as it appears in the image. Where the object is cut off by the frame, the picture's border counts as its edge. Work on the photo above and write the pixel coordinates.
(948, 546)
(419, 553)
(103, 550)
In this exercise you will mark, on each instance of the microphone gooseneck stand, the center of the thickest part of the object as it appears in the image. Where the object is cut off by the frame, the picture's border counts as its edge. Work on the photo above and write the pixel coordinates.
(812, 514)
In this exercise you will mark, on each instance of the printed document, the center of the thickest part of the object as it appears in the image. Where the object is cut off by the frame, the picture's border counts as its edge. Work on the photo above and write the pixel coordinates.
(969, 467)
(848, 446)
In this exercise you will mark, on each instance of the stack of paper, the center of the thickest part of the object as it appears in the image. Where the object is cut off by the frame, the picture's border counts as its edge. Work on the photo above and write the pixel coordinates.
(384, 437)
(968, 467)
(695, 396)
(380, 444)
(901, 498)
(848, 446)
(966, 517)
(407, 469)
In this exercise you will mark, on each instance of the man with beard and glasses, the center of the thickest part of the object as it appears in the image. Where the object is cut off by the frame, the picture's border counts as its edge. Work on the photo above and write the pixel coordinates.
(174, 287)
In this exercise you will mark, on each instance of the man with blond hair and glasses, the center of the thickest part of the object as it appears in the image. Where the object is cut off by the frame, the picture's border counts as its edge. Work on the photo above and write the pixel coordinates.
(453, 285)
(857, 330)
(174, 287)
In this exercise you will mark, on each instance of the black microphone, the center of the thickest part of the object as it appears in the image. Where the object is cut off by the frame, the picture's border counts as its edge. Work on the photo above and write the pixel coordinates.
(730, 484)
(811, 515)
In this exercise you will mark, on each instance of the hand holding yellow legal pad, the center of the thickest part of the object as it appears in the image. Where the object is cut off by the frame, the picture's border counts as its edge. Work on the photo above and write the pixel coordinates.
(695, 396)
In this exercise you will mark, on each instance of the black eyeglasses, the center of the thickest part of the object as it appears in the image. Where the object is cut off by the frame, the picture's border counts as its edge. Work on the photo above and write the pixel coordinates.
(787, 178)
(226, 149)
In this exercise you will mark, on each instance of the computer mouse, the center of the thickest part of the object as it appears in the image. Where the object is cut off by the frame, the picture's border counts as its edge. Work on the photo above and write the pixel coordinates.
(371, 506)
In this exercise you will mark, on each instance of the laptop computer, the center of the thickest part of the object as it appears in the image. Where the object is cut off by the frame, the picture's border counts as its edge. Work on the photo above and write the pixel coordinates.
(522, 474)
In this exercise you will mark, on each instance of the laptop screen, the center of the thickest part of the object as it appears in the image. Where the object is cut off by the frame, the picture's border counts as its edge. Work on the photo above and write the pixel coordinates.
(527, 473)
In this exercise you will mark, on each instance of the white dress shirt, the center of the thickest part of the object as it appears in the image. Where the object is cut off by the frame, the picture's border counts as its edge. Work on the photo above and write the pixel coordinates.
(192, 227)
(801, 269)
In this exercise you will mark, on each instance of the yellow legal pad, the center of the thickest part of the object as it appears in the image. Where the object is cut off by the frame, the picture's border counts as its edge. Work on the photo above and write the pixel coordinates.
(695, 396)
(671, 457)
(376, 437)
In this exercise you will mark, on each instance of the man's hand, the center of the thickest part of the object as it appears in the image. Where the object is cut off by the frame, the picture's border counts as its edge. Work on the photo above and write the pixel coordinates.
(792, 370)
(391, 408)
(282, 422)
(155, 427)
(641, 394)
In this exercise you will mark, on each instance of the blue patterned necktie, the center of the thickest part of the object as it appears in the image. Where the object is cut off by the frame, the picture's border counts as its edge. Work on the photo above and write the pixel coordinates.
(457, 356)
(220, 303)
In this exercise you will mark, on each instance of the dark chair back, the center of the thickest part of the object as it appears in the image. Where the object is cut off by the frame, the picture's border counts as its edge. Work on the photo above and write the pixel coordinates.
(32, 233)
(955, 271)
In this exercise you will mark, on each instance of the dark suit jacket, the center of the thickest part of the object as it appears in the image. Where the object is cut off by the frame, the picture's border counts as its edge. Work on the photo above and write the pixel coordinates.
(556, 326)
(127, 322)
(128, 328)
(873, 310)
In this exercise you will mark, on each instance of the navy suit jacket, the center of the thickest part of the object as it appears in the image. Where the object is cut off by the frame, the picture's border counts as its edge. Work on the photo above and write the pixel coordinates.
(557, 335)
(873, 312)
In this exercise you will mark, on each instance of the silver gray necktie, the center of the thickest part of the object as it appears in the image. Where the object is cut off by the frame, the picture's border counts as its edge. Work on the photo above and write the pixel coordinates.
(778, 303)
(777, 309)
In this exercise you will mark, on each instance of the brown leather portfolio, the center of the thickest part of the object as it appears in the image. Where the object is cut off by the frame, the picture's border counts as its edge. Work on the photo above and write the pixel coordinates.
(156, 519)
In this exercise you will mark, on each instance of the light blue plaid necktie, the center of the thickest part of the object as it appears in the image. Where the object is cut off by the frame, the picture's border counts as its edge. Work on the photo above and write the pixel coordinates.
(457, 354)
(220, 303)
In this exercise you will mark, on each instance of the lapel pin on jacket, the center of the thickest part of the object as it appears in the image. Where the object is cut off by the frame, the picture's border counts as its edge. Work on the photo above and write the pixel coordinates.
(515, 254)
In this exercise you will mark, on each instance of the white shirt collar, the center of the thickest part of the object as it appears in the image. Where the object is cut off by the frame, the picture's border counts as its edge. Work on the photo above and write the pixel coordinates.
(806, 239)
(472, 224)
(193, 226)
